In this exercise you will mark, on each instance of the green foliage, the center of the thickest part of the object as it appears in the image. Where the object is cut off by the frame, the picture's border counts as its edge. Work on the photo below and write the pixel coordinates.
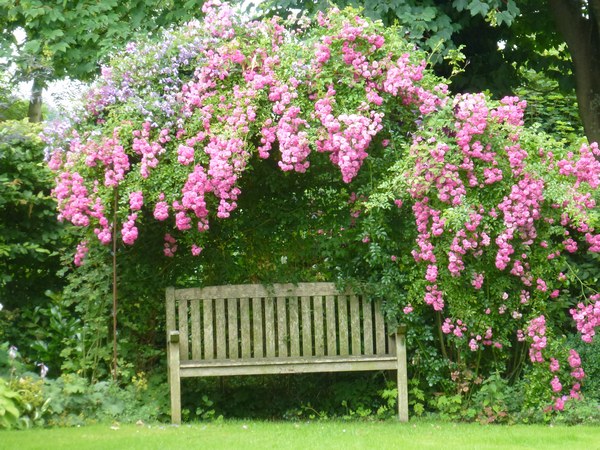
(69, 38)
(590, 360)
(9, 401)
(88, 295)
(416, 397)
(73, 400)
(294, 397)
(431, 23)
(204, 411)
(11, 107)
(49, 330)
(550, 109)
(586, 411)
(493, 398)
(31, 401)
(29, 233)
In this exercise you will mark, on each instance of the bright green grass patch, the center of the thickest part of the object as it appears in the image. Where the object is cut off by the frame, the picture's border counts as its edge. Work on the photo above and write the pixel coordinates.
(313, 435)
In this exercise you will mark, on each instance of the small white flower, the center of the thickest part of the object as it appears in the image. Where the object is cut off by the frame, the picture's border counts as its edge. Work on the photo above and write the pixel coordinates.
(12, 352)
(43, 370)
(284, 260)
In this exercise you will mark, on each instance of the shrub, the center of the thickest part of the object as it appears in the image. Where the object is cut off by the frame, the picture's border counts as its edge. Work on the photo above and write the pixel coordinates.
(446, 207)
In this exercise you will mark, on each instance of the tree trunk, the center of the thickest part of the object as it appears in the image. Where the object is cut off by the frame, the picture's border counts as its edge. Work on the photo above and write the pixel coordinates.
(35, 102)
(582, 35)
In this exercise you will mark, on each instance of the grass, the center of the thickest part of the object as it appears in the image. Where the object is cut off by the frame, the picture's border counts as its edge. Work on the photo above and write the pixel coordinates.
(303, 435)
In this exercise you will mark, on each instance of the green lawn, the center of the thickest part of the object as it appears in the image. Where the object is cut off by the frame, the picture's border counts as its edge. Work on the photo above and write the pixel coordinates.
(314, 435)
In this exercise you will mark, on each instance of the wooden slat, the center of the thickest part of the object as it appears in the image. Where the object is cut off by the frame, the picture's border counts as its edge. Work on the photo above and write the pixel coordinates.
(257, 328)
(220, 329)
(330, 324)
(207, 322)
(306, 327)
(294, 325)
(379, 330)
(367, 326)
(232, 328)
(318, 319)
(195, 322)
(391, 344)
(342, 305)
(170, 307)
(349, 360)
(282, 336)
(355, 325)
(183, 330)
(245, 327)
(270, 327)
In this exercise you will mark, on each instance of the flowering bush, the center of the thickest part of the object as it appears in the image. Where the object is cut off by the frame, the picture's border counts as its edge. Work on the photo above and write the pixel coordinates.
(462, 215)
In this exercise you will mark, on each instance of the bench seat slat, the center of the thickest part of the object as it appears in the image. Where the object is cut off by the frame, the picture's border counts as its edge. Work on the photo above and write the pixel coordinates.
(286, 365)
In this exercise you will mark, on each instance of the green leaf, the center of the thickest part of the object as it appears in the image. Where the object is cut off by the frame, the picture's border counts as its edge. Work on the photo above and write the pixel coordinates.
(460, 5)
(477, 7)
(32, 46)
(59, 47)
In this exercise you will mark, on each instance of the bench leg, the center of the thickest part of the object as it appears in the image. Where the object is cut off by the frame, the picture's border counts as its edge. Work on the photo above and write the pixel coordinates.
(175, 383)
(402, 377)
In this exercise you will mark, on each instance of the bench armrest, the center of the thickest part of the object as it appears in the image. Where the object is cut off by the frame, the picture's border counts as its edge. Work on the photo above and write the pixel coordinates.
(174, 337)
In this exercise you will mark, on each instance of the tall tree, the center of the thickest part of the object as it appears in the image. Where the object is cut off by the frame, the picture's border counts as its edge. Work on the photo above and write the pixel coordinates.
(69, 37)
(527, 28)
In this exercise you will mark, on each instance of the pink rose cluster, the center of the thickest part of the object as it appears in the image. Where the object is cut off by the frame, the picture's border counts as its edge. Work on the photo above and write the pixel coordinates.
(537, 332)
(577, 374)
(208, 122)
(587, 318)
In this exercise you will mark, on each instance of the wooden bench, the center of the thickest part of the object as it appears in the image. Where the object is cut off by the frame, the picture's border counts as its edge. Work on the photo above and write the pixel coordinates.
(282, 328)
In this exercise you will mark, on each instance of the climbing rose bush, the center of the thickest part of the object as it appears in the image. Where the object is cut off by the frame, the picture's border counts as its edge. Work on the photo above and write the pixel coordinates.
(497, 209)
(489, 208)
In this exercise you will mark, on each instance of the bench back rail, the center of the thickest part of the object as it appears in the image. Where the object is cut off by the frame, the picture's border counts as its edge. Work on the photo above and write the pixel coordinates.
(254, 321)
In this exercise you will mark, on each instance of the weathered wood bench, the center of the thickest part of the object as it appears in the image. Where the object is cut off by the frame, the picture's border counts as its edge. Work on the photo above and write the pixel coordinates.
(282, 328)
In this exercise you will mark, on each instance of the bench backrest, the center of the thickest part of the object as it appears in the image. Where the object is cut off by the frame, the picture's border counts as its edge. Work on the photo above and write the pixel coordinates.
(281, 320)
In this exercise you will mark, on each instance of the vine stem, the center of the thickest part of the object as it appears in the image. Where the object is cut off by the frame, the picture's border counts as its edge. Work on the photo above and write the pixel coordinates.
(114, 266)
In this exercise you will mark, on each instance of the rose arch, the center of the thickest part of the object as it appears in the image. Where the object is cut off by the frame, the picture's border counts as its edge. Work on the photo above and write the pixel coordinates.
(458, 212)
